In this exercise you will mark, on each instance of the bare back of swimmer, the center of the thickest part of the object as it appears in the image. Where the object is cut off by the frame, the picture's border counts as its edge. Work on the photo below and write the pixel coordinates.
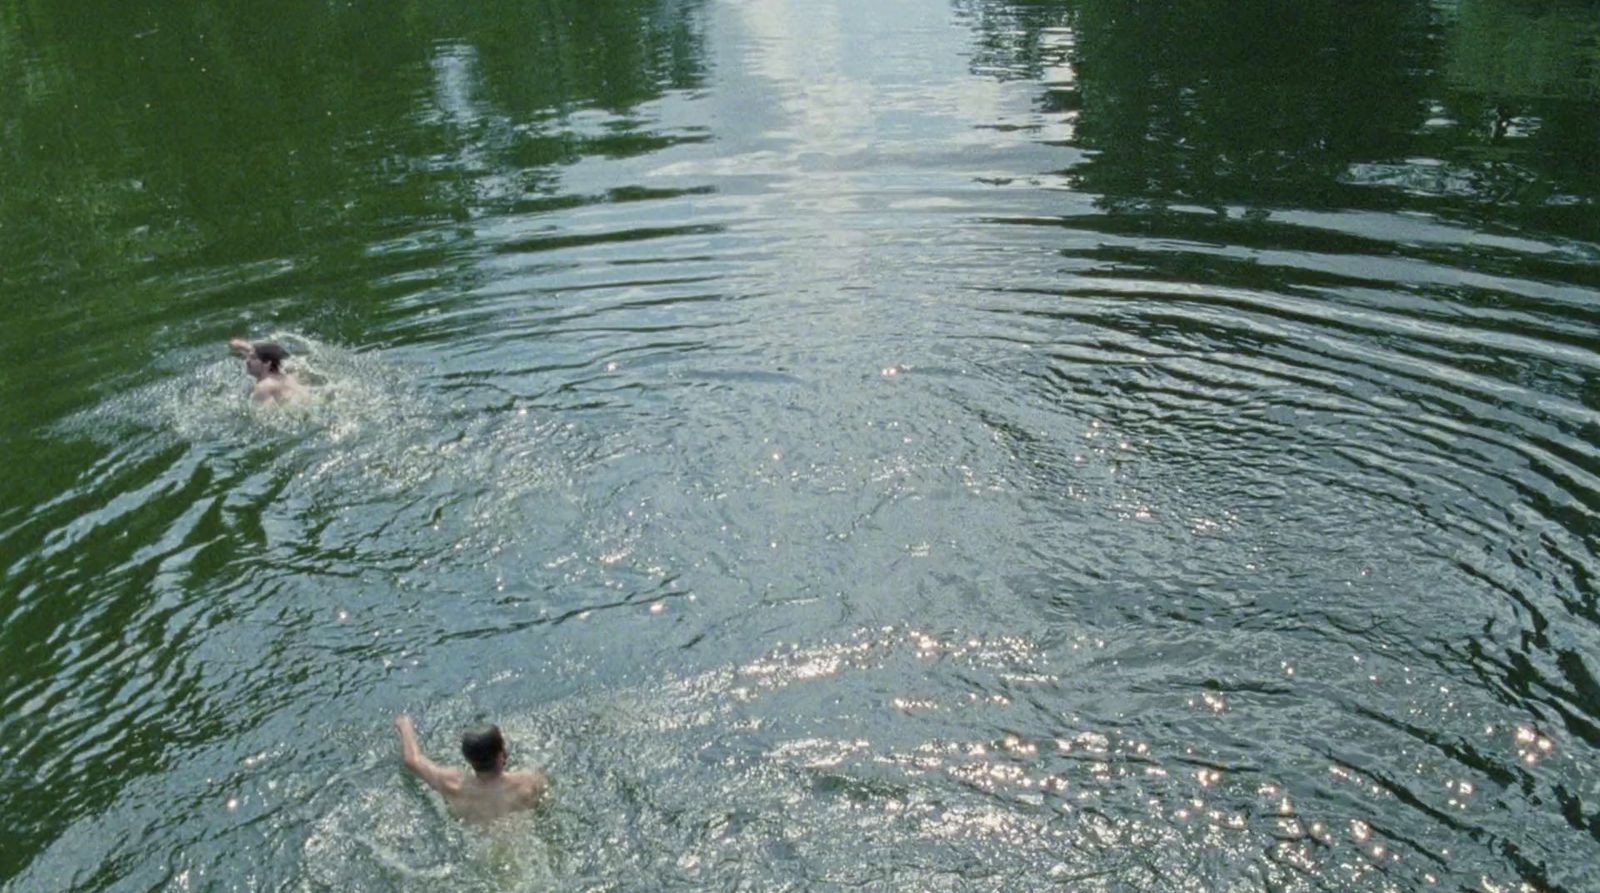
(490, 792)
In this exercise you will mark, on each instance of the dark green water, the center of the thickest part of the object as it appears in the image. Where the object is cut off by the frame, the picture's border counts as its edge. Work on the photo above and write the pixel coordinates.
(906, 445)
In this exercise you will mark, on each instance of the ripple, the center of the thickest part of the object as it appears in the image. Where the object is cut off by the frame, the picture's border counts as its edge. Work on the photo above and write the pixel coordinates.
(856, 462)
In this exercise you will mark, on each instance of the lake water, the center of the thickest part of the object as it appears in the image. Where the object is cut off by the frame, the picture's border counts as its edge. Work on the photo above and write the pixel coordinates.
(897, 445)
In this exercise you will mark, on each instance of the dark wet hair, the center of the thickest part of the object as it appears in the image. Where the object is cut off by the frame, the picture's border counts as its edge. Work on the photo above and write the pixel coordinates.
(482, 746)
(271, 354)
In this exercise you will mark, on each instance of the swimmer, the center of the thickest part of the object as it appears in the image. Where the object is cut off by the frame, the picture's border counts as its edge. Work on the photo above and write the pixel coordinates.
(490, 792)
(264, 361)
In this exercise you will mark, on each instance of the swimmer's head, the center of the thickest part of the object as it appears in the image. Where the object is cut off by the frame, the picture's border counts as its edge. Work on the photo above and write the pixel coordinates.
(484, 748)
(265, 359)
(271, 354)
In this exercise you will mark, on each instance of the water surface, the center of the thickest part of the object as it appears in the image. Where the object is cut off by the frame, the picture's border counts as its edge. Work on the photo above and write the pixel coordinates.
(989, 445)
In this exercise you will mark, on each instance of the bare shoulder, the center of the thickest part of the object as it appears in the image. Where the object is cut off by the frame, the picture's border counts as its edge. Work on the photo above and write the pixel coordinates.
(532, 784)
(443, 779)
(446, 779)
(270, 390)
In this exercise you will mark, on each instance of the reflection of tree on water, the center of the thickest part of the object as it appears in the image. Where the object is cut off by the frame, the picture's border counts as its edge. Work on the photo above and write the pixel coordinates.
(132, 131)
(1212, 102)
(1215, 102)
(1522, 106)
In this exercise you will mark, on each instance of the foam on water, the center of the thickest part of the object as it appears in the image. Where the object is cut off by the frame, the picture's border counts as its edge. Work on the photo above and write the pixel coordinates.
(398, 832)
(366, 435)
(203, 397)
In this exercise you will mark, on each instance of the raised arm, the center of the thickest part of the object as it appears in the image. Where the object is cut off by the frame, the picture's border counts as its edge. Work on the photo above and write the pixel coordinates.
(437, 777)
(240, 346)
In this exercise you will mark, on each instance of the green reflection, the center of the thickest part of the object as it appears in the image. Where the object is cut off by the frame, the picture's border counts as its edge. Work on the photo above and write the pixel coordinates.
(161, 160)
(1525, 50)
(1523, 88)
(1214, 103)
(1474, 105)
(165, 163)
(236, 131)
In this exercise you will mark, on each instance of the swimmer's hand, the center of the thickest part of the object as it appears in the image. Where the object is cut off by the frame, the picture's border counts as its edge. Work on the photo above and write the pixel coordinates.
(410, 753)
(240, 346)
